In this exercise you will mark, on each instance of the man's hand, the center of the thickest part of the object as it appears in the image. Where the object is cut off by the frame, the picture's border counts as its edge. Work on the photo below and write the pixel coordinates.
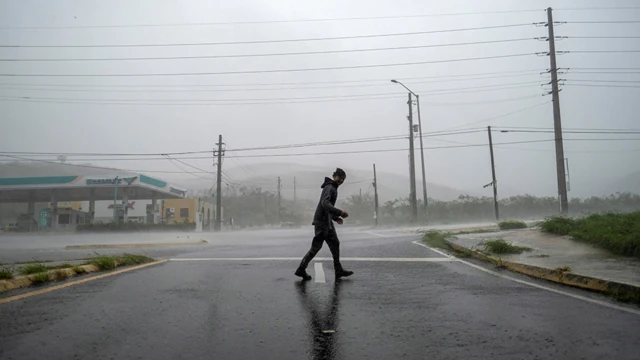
(340, 221)
(345, 214)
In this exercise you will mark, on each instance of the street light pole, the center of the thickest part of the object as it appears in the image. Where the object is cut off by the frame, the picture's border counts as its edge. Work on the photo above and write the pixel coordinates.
(424, 178)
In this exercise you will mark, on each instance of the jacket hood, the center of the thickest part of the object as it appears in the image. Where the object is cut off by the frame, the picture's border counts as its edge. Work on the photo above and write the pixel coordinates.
(328, 181)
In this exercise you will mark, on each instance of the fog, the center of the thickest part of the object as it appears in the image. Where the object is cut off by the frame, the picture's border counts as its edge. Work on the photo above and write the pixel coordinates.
(184, 113)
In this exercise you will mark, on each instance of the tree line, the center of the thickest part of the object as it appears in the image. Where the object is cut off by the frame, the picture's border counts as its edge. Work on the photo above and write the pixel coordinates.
(250, 206)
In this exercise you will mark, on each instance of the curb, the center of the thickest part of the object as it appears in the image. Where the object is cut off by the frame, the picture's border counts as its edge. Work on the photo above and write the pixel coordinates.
(131, 246)
(565, 278)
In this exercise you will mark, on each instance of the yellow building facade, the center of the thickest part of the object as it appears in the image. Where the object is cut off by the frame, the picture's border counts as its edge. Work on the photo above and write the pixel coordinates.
(181, 210)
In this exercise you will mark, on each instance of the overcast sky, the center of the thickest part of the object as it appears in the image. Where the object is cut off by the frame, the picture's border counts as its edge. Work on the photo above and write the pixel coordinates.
(38, 118)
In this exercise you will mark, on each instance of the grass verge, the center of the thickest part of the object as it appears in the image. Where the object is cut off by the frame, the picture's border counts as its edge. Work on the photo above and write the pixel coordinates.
(563, 269)
(104, 262)
(435, 238)
(618, 233)
(78, 269)
(61, 274)
(6, 273)
(511, 224)
(133, 259)
(41, 278)
(33, 269)
(499, 246)
(61, 266)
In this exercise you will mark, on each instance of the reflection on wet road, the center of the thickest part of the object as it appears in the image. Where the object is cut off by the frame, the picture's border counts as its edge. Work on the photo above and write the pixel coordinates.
(323, 325)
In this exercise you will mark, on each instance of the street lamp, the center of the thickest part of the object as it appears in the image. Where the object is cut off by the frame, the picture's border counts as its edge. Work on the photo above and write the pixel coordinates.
(424, 179)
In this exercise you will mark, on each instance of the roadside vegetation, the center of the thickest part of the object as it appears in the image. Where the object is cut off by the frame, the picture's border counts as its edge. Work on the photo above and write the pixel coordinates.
(79, 270)
(104, 262)
(135, 226)
(435, 239)
(499, 246)
(41, 278)
(616, 232)
(511, 225)
(563, 269)
(33, 269)
(61, 274)
(6, 273)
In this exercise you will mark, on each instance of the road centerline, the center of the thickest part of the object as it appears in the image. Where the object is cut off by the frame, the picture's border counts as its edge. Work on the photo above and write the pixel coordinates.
(319, 270)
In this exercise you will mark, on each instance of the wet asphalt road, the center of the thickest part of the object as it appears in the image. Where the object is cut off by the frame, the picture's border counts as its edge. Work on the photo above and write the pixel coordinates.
(257, 309)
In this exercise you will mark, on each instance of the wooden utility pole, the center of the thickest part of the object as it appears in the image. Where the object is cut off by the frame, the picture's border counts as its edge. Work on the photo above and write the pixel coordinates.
(557, 123)
(218, 224)
(493, 176)
(375, 197)
(412, 166)
(295, 195)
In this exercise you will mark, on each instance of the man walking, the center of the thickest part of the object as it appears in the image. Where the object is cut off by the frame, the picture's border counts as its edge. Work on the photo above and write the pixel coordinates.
(326, 214)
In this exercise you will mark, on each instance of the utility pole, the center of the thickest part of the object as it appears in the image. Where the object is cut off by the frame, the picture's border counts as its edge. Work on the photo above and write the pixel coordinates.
(412, 167)
(295, 197)
(568, 174)
(493, 176)
(218, 225)
(115, 198)
(279, 197)
(375, 197)
(557, 123)
(424, 179)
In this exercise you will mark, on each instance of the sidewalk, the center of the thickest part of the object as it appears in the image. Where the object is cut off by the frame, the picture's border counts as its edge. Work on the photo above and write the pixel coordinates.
(552, 252)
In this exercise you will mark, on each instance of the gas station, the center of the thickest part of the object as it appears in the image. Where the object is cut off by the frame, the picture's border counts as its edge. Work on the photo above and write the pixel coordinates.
(117, 187)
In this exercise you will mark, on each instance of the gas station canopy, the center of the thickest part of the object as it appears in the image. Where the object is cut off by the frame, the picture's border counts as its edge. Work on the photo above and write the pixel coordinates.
(86, 188)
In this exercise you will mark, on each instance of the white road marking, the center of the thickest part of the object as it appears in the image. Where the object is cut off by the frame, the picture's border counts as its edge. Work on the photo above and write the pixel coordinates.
(319, 273)
(376, 234)
(575, 296)
(431, 259)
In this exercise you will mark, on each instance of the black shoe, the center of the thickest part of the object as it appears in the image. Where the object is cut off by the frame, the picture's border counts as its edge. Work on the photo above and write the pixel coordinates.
(303, 274)
(343, 273)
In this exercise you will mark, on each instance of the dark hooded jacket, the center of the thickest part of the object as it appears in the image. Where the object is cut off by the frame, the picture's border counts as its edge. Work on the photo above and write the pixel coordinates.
(326, 210)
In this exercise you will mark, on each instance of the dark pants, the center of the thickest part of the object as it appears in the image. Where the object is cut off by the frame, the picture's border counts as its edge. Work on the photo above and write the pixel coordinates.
(328, 234)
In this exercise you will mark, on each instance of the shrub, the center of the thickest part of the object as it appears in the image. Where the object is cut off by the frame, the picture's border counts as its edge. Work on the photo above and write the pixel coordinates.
(511, 224)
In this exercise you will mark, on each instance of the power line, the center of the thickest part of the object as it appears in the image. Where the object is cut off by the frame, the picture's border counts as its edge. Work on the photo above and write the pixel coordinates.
(500, 116)
(599, 8)
(274, 147)
(605, 22)
(268, 21)
(378, 150)
(243, 100)
(186, 171)
(600, 51)
(604, 86)
(276, 70)
(387, 84)
(309, 88)
(323, 143)
(604, 68)
(483, 75)
(90, 166)
(202, 103)
(603, 37)
(604, 81)
(322, 52)
(271, 41)
(189, 165)
(569, 131)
